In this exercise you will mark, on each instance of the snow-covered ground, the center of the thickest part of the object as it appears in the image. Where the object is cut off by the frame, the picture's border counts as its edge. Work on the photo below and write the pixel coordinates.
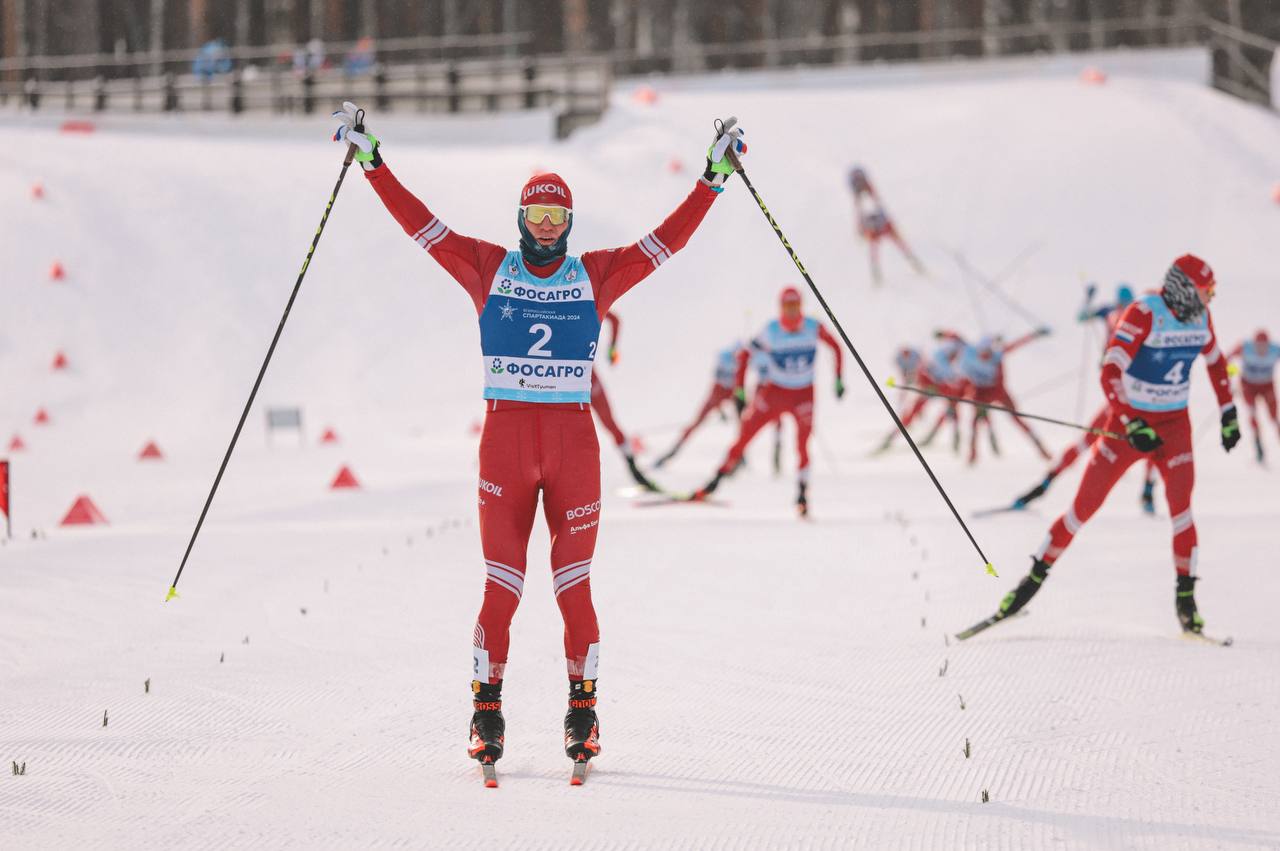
(766, 682)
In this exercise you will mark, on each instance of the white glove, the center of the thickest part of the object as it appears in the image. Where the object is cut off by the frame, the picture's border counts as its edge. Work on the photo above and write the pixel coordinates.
(351, 130)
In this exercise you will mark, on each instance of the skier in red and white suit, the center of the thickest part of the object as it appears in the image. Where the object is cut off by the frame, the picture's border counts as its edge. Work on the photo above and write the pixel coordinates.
(1110, 315)
(540, 311)
(1146, 378)
(1258, 359)
(983, 367)
(874, 223)
(791, 344)
(604, 411)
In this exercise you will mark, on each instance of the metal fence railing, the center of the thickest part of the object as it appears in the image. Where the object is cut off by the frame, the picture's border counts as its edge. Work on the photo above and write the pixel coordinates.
(493, 73)
(408, 75)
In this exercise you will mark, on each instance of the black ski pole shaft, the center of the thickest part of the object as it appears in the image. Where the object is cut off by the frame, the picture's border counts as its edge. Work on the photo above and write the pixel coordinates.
(987, 406)
(253, 394)
(795, 258)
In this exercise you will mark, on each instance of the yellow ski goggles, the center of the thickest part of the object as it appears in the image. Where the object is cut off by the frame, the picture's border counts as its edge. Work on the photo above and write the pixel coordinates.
(535, 213)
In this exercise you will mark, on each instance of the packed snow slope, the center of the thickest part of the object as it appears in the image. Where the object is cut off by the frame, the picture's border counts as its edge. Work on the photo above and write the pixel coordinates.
(766, 682)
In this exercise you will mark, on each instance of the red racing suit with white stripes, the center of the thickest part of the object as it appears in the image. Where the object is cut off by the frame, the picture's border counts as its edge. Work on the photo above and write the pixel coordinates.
(1146, 374)
(531, 447)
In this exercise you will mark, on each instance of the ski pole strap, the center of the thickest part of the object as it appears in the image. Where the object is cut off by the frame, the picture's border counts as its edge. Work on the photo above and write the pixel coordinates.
(989, 407)
(795, 258)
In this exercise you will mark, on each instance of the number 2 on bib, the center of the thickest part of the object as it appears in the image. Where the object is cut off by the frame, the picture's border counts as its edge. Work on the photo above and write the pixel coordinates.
(538, 349)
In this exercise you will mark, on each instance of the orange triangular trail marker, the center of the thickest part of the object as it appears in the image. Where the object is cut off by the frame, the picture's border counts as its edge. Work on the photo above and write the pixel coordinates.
(151, 452)
(17, 444)
(60, 361)
(57, 272)
(329, 436)
(344, 479)
(42, 417)
(83, 513)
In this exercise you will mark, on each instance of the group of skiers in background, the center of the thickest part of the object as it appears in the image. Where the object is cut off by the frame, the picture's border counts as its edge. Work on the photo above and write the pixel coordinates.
(541, 311)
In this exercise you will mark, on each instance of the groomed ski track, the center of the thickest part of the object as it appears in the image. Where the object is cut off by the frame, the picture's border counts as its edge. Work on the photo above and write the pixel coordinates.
(765, 682)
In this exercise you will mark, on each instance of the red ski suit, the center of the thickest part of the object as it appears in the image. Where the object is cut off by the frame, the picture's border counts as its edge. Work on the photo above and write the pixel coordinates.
(1110, 457)
(530, 447)
(771, 402)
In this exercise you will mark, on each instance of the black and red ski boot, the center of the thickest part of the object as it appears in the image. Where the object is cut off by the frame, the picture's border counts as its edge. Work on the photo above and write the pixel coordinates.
(1185, 603)
(581, 727)
(488, 727)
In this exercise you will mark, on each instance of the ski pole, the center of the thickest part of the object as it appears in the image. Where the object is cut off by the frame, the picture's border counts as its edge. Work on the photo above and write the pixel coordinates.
(1098, 431)
(990, 287)
(795, 258)
(346, 163)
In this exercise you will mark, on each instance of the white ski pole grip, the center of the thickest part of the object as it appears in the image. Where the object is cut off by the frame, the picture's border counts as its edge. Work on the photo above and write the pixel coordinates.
(725, 140)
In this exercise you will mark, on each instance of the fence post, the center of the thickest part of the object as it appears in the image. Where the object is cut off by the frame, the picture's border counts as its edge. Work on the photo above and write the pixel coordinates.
(70, 94)
(99, 94)
(171, 103)
(237, 92)
(451, 78)
(308, 92)
(530, 74)
(137, 88)
(381, 101)
(31, 88)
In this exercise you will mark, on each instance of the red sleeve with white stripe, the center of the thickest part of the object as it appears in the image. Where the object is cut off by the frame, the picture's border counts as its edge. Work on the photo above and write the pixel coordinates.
(471, 262)
(1216, 364)
(616, 270)
(1126, 339)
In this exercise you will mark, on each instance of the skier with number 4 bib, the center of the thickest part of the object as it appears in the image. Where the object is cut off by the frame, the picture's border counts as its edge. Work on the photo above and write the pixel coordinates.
(1146, 377)
(540, 312)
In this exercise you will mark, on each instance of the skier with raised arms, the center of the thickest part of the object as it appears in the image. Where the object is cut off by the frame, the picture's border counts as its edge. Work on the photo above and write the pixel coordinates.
(1146, 378)
(540, 311)
(1258, 359)
(791, 344)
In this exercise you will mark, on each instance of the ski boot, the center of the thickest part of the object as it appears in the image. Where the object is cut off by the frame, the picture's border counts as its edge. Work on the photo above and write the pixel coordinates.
(802, 500)
(581, 727)
(488, 727)
(1033, 494)
(709, 488)
(658, 465)
(1027, 588)
(777, 454)
(1148, 498)
(1185, 603)
(1257, 443)
(640, 478)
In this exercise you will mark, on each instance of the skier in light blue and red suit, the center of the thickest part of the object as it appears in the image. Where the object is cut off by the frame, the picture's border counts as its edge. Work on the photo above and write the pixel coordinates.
(540, 311)
(1146, 378)
(982, 365)
(723, 390)
(915, 371)
(1258, 360)
(791, 344)
(1110, 315)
